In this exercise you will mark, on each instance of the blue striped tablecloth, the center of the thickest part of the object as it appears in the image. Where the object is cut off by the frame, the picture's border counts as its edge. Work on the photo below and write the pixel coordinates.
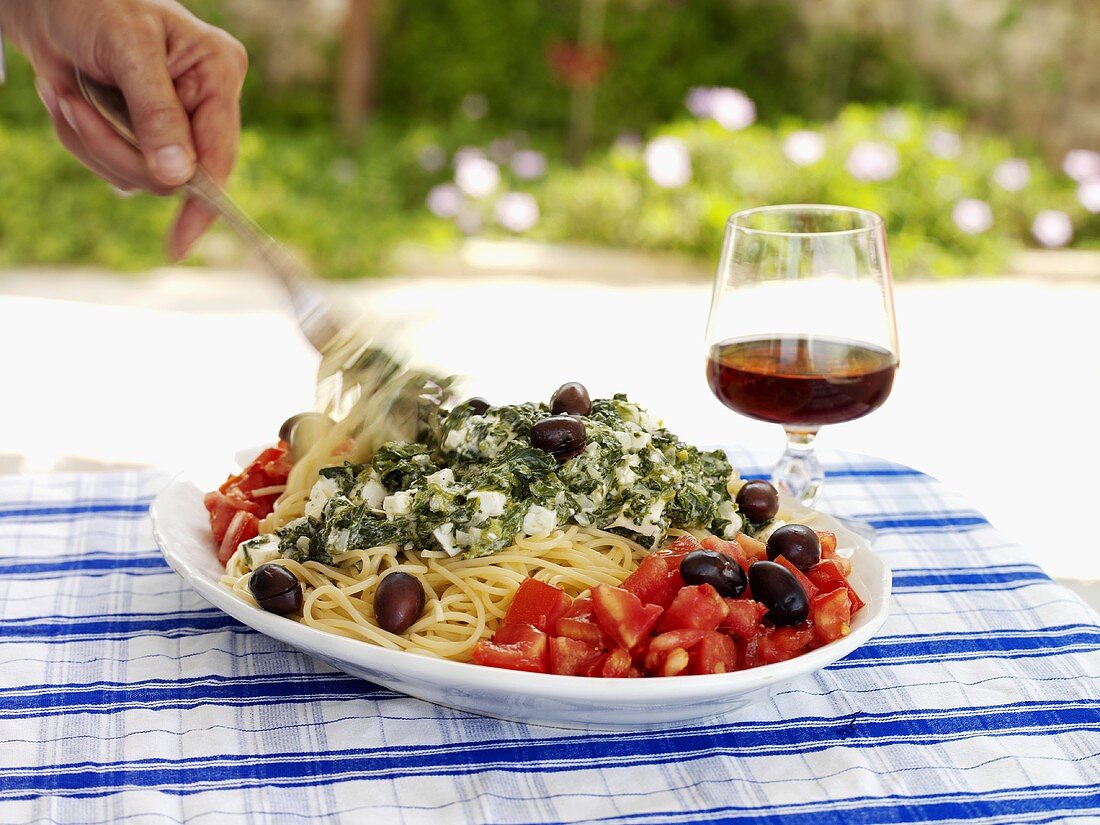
(124, 698)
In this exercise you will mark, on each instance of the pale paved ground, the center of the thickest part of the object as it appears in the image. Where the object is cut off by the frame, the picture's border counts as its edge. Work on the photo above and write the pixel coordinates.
(997, 395)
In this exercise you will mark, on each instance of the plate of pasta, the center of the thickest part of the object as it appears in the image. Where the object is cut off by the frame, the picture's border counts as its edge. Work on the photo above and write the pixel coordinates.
(570, 563)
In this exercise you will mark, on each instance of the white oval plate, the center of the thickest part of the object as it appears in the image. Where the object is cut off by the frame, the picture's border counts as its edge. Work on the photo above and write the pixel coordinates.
(183, 532)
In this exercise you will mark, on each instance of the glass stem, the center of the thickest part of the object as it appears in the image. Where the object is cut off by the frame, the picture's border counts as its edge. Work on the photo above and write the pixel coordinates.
(798, 472)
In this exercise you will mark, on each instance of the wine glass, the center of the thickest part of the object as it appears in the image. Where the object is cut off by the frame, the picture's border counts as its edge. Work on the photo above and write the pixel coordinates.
(801, 330)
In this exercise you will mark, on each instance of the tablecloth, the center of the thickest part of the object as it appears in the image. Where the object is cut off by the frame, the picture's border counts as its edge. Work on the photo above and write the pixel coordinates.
(126, 698)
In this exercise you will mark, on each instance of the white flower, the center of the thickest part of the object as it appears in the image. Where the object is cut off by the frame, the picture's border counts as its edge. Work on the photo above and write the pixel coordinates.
(1081, 164)
(804, 147)
(872, 161)
(944, 144)
(1052, 228)
(1089, 194)
(444, 200)
(529, 164)
(477, 176)
(972, 216)
(668, 163)
(432, 158)
(517, 211)
(732, 109)
(1012, 175)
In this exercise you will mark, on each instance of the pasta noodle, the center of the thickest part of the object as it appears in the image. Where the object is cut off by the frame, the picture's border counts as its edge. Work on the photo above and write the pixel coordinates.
(466, 598)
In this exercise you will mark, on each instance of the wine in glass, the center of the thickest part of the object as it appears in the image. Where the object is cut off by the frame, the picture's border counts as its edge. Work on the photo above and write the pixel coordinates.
(801, 330)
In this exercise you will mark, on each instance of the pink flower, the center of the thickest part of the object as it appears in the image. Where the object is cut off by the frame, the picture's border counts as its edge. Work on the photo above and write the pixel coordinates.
(1052, 228)
(477, 176)
(972, 216)
(517, 211)
(445, 200)
(668, 163)
(528, 164)
(1081, 164)
(730, 108)
(804, 148)
(1089, 194)
(1012, 175)
(872, 161)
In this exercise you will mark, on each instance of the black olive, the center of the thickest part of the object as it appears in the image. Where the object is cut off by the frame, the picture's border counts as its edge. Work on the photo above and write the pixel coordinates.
(716, 569)
(775, 587)
(398, 602)
(798, 543)
(276, 589)
(561, 436)
(479, 405)
(758, 501)
(571, 399)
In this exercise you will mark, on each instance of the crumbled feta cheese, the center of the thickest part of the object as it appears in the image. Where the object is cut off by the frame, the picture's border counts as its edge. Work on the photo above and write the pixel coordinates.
(468, 538)
(445, 478)
(337, 541)
(319, 494)
(649, 525)
(489, 503)
(539, 521)
(260, 550)
(373, 494)
(456, 437)
(398, 504)
(444, 535)
(728, 512)
(302, 544)
(764, 534)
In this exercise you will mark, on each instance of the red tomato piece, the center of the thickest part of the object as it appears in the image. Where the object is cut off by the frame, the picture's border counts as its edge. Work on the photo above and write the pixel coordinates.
(570, 657)
(728, 548)
(242, 527)
(697, 607)
(828, 543)
(785, 643)
(538, 604)
(743, 619)
(580, 607)
(686, 638)
(613, 665)
(807, 585)
(661, 647)
(675, 663)
(831, 614)
(755, 549)
(748, 648)
(656, 580)
(828, 576)
(682, 545)
(715, 653)
(622, 616)
(581, 628)
(516, 647)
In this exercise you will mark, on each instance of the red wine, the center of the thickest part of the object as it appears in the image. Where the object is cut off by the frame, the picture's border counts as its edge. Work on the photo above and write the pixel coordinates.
(800, 381)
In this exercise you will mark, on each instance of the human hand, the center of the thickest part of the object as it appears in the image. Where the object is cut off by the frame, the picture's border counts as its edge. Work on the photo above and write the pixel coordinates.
(181, 79)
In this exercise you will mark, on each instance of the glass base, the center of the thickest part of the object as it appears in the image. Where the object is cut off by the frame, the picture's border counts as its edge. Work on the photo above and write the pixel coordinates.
(799, 473)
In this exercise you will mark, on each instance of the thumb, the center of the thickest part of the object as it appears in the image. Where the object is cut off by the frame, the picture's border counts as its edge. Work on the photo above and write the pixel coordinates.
(160, 123)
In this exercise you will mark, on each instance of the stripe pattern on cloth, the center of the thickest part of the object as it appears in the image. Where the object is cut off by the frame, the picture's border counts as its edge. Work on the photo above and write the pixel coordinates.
(126, 698)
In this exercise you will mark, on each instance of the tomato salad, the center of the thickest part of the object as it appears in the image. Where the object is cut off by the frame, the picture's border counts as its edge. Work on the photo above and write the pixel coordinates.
(669, 618)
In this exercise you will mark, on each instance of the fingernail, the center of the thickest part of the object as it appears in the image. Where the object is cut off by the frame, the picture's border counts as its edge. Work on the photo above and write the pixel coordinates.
(46, 94)
(67, 113)
(120, 192)
(172, 164)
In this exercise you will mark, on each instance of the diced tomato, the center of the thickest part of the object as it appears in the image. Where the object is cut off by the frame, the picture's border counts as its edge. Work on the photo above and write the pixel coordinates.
(715, 653)
(697, 607)
(831, 614)
(223, 509)
(515, 647)
(613, 665)
(828, 576)
(581, 628)
(785, 643)
(656, 580)
(662, 647)
(580, 607)
(622, 616)
(674, 663)
(538, 604)
(807, 585)
(755, 549)
(682, 545)
(828, 543)
(728, 548)
(242, 527)
(686, 638)
(570, 657)
(748, 648)
(744, 617)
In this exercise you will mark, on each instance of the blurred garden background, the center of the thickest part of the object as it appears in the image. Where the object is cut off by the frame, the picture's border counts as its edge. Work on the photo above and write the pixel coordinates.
(377, 126)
